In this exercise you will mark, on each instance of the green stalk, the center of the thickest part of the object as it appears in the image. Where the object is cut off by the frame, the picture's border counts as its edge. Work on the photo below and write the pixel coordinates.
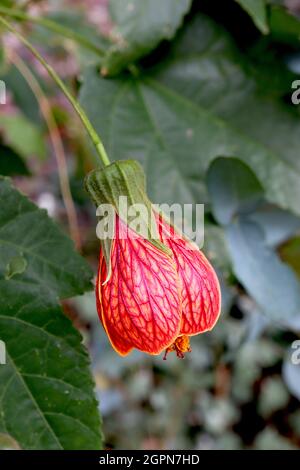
(52, 26)
(81, 113)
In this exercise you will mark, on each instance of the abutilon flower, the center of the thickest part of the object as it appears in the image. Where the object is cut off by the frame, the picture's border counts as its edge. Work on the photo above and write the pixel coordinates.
(154, 302)
(151, 299)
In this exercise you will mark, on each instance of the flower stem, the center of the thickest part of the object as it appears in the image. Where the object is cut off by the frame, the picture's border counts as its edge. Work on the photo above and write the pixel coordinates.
(81, 113)
(52, 26)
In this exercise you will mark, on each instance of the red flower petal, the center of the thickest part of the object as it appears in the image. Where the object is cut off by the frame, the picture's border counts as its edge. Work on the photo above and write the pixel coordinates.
(117, 341)
(140, 305)
(201, 297)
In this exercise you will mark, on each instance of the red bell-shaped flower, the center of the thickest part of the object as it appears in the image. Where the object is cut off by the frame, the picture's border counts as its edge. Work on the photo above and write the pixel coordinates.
(154, 302)
(153, 293)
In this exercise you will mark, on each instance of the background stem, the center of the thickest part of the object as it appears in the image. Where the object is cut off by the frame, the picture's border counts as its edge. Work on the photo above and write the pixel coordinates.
(52, 26)
(81, 113)
(56, 143)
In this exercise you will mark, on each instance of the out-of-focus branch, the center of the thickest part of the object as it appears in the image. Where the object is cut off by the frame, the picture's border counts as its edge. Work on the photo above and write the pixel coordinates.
(56, 143)
(52, 26)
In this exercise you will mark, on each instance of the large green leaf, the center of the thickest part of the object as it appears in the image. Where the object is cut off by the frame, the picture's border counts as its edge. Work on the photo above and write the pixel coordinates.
(26, 230)
(46, 389)
(139, 28)
(217, 78)
(200, 103)
(176, 138)
(257, 9)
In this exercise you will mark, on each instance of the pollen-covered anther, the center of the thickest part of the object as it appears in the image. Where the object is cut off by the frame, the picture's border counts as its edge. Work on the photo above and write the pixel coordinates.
(180, 346)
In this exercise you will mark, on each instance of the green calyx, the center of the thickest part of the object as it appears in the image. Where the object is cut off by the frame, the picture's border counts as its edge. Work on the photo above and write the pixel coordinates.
(122, 184)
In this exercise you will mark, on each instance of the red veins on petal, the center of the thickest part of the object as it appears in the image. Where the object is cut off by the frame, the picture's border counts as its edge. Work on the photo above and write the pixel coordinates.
(201, 298)
(117, 341)
(140, 305)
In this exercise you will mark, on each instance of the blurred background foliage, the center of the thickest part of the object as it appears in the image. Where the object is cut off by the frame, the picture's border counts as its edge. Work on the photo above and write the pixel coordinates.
(200, 93)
